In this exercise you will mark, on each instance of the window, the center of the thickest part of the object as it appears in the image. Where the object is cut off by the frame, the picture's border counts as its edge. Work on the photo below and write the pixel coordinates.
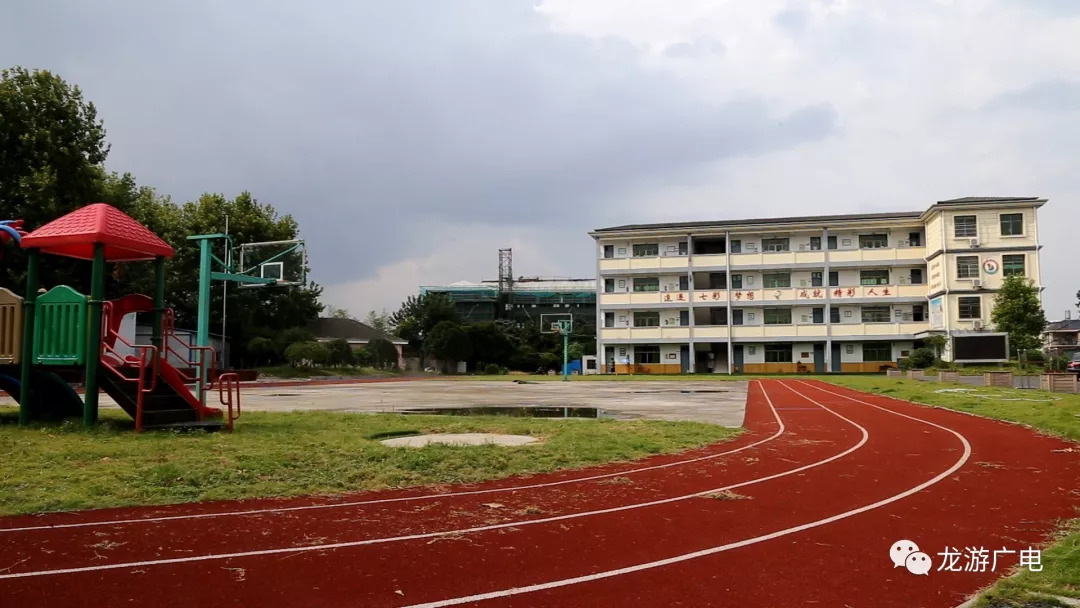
(876, 351)
(873, 277)
(684, 283)
(736, 246)
(777, 316)
(964, 226)
(609, 251)
(609, 319)
(647, 284)
(647, 250)
(778, 353)
(873, 241)
(967, 267)
(834, 278)
(815, 243)
(736, 281)
(969, 307)
(916, 276)
(718, 316)
(646, 354)
(918, 313)
(1012, 224)
(876, 314)
(647, 319)
(773, 280)
(609, 285)
(683, 249)
(775, 244)
(1013, 264)
(717, 280)
(834, 315)
(819, 315)
(915, 239)
(684, 318)
(737, 317)
(832, 242)
(815, 279)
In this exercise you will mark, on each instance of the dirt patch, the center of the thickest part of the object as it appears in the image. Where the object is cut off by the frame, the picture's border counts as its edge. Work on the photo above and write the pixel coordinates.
(726, 495)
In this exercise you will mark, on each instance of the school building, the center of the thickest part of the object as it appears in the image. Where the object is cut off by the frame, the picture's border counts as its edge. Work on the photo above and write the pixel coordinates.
(850, 293)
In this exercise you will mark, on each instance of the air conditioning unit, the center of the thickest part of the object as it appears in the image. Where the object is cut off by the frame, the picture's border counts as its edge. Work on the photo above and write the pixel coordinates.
(976, 283)
(977, 325)
(975, 242)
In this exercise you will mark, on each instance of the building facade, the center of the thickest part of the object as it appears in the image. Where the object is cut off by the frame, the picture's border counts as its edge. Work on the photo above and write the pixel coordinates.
(527, 301)
(850, 293)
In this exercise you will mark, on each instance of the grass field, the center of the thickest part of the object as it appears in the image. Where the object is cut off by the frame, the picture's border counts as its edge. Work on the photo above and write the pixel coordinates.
(67, 467)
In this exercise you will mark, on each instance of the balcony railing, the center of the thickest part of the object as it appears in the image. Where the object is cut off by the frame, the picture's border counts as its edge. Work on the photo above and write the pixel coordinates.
(810, 295)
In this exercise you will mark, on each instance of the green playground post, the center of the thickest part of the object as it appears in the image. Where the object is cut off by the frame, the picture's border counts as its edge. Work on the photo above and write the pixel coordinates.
(93, 357)
(28, 334)
(202, 329)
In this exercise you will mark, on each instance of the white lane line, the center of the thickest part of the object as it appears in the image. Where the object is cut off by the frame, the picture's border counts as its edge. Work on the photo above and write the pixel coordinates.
(719, 549)
(116, 522)
(517, 524)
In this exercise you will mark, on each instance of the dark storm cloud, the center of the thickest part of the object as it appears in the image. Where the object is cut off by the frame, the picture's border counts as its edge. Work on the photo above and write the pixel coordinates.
(366, 119)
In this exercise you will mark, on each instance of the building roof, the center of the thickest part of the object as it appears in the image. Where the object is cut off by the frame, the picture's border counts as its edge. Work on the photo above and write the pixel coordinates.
(75, 234)
(819, 219)
(1068, 325)
(520, 285)
(328, 328)
(808, 219)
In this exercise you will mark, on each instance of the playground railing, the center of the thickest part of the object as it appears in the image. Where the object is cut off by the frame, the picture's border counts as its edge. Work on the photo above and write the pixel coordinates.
(148, 360)
(228, 384)
(202, 363)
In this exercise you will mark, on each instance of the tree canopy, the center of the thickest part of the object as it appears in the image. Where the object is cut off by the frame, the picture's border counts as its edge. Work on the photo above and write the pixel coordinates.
(52, 154)
(1018, 311)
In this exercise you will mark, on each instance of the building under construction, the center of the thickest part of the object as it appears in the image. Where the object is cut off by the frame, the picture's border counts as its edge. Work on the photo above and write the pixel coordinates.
(523, 300)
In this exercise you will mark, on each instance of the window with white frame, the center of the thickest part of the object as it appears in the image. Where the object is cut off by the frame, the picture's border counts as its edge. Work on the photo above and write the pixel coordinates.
(967, 267)
(964, 226)
(646, 250)
(776, 244)
(876, 314)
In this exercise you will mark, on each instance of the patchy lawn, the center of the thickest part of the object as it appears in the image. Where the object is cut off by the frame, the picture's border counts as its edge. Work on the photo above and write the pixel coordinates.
(67, 467)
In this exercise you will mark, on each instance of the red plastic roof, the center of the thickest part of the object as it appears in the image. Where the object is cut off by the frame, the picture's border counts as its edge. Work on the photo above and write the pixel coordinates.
(75, 234)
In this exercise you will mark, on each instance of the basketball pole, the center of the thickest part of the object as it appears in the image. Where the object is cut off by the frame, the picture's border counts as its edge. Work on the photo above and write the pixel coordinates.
(565, 352)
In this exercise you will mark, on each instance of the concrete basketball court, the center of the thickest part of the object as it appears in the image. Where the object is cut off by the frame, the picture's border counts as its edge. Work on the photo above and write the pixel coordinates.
(722, 403)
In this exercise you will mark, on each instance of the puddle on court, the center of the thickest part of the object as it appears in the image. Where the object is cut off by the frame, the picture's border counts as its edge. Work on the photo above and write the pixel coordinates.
(521, 412)
(679, 391)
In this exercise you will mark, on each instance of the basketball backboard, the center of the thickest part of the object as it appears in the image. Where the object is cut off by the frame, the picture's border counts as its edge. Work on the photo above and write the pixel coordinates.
(556, 323)
(283, 261)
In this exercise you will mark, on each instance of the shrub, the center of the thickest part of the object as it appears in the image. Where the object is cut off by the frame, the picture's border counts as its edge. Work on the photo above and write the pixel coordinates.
(575, 351)
(550, 361)
(383, 354)
(361, 357)
(923, 358)
(307, 354)
(492, 369)
(340, 353)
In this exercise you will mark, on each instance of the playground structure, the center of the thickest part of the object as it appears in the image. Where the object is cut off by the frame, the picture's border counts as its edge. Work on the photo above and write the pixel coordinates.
(60, 336)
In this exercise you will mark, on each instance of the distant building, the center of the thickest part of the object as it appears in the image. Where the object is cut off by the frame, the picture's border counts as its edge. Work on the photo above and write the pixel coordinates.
(327, 329)
(841, 293)
(526, 301)
(1062, 337)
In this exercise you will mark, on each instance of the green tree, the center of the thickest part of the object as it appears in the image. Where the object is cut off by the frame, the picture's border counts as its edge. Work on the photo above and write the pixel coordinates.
(575, 351)
(261, 350)
(380, 321)
(334, 312)
(418, 315)
(448, 341)
(340, 353)
(382, 353)
(52, 153)
(307, 354)
(362, 357)
(937, 343)
(1018, 312)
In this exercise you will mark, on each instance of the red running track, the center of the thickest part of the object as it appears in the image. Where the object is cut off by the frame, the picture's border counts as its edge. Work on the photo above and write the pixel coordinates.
(826, 480)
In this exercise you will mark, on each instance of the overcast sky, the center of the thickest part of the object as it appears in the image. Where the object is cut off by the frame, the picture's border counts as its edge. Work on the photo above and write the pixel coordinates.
(413, 139)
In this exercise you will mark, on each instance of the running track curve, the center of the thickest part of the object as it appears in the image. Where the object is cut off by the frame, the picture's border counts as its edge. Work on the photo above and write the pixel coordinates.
(825, 480)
